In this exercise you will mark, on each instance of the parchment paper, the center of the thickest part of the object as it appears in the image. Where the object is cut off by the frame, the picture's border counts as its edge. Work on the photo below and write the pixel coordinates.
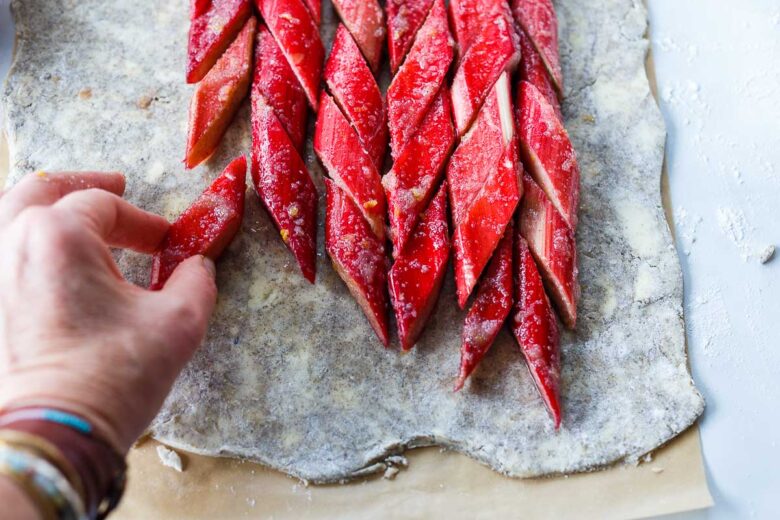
(436, 485)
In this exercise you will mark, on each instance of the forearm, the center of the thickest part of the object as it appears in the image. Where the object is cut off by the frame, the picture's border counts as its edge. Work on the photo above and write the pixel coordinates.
(16, 504)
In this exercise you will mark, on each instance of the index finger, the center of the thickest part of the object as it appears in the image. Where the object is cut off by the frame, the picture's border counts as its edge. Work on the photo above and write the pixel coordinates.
(117, 221)
(46, 188)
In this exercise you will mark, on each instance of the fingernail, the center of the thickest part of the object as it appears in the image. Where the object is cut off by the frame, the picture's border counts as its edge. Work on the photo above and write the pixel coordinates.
(208, 263)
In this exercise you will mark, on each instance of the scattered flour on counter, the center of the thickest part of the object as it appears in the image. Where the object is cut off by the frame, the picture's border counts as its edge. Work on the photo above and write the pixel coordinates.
(170, 458)
(709, 322)
(687, 227)
(735, 227)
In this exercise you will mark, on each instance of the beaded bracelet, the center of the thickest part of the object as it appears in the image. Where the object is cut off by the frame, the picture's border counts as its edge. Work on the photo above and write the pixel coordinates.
(43, 482)
(93, 467)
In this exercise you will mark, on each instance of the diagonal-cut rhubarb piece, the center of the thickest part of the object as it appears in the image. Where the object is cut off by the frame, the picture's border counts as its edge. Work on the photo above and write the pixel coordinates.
(298, 36)
(533, 70)
(536, 329)
(419, 78)
(548, 153)
(494, 52)
(205, 228)
(355, 91)
(217, 98)
(404, 19)
(358, 257)
(283, 184)
(213, 28)
(483, 224)
(476, 157)
(537, 18)
(341, 152)
(416, 277)
(365, 21)
(489, 310)
(276, 82)
(410, 183)
(552, 243)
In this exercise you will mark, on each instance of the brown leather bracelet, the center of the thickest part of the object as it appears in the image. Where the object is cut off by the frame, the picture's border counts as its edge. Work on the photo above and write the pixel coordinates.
(100, 468)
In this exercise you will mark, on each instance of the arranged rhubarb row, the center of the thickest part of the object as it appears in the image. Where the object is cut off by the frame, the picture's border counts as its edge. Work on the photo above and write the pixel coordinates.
(350, 141)
(288, 55)
(421, 138)
(205, 228)
(545, 242)
(484, 172)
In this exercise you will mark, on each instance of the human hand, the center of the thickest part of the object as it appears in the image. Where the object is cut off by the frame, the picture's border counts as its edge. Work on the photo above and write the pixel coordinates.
(74, 334)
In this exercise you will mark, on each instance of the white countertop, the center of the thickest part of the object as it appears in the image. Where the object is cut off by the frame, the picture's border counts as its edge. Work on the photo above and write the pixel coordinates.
(718, 72)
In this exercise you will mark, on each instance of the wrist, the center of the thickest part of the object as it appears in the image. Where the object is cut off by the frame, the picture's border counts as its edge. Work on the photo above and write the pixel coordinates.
(70, 442)
(70, 392)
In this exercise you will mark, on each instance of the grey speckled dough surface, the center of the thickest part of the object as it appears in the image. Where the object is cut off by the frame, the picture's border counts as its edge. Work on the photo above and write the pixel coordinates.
(291, 375)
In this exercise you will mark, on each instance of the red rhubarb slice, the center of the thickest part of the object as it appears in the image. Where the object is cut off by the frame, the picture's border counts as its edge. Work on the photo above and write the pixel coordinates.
(537, 18)
(476, 157)
(283, 184)
(417, 275)
(533, 70)
(404, 19)
(365, 20)
(494, 52)
(298, 36)
(419, 78)
(548, 153)
(218, 96)
(276, 82)
(205, 228)
(214, 25)
(358, 257)
(489, 310)
(552, 243)
(354, 89)
(483, 224)
(341, 152)
(410, 183)
(536, 329)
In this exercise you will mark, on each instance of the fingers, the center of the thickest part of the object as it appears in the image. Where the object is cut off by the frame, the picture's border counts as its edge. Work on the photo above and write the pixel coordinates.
(43, 189)
(188, 300)
(118, 222)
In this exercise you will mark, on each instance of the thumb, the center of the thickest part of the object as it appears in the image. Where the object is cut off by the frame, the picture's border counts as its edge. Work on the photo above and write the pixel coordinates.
(188, 300)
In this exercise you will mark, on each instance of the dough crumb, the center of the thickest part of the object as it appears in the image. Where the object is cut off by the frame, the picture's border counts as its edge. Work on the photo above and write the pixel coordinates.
(85, 93)
(767, 254)
(391, 472)
(657, 470)
(251, 502)
(398, 460)
(648, 458)
(144, 102)
(170, 458)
